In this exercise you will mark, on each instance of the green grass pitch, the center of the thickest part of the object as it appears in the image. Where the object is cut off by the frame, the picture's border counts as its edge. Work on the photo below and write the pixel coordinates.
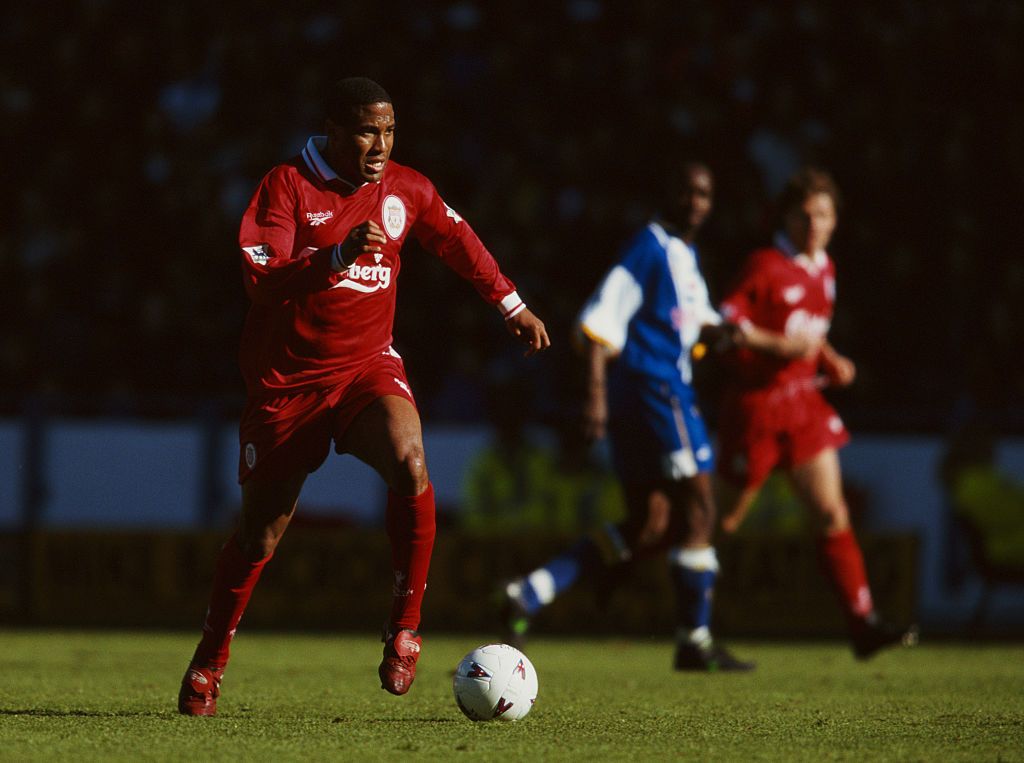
(82, 696)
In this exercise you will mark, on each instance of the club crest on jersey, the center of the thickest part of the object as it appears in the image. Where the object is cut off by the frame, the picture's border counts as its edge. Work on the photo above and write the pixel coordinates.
(319, 218)
(392, 212)
(250, 455)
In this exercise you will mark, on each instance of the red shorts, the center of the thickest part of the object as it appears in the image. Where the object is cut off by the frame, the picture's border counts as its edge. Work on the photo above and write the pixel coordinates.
(781, 426)
(284, 434)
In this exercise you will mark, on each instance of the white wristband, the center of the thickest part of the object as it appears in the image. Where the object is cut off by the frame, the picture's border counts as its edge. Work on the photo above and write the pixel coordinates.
(511, 305)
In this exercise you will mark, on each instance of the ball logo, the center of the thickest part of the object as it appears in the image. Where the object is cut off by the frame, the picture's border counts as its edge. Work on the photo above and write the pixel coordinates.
(393, 215)
(476, 671)
(250, 455)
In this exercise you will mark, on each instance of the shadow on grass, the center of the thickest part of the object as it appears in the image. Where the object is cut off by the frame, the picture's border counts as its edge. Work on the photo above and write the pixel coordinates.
(47, 712)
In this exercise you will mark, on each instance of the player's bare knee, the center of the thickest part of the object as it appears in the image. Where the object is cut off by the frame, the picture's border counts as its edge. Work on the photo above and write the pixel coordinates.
(259, 544)
(411, 477)
(832, 518)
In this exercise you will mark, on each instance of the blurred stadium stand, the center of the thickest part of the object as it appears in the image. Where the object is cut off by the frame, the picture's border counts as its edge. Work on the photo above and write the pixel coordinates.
(136, 135)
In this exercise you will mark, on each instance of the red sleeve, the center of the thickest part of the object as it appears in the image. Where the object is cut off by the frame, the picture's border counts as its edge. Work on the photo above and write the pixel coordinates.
(273, 272)
(746, 294)
(442, 231)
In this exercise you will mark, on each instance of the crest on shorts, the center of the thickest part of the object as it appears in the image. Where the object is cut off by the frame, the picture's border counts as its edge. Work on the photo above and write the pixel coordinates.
(250, 455)
(393, 215)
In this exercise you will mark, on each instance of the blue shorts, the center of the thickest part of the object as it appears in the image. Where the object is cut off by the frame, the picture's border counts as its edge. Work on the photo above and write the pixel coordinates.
(656, 429)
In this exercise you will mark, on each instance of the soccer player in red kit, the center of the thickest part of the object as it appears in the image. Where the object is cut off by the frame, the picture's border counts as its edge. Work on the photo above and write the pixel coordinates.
(773, 413)
(320, 246)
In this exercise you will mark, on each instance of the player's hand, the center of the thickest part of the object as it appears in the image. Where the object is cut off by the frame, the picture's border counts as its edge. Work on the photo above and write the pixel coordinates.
(839, 369)
(720, 337)
(365, 238)
(529, 329)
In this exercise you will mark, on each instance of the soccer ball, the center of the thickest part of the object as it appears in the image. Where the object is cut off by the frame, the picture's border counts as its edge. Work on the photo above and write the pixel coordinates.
(495, 682)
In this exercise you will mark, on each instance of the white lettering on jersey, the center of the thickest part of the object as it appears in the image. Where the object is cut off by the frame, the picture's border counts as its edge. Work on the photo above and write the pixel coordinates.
(801, 322)
(365, 278)
(393, 215)
(259, 254)
(319, 218)
(793, 294)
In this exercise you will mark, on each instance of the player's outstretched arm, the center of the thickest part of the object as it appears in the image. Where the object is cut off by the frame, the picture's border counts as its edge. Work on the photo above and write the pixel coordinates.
(528, 329)
(595, 402)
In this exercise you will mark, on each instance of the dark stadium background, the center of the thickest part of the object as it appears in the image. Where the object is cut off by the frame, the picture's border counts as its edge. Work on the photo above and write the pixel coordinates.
(134, 135)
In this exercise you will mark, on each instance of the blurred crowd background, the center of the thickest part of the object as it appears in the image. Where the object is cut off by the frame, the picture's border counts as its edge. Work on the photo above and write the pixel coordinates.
(135, 133)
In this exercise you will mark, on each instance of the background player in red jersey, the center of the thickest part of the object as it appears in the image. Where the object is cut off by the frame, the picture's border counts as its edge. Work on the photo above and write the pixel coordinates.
(320, 243)
(774, 415)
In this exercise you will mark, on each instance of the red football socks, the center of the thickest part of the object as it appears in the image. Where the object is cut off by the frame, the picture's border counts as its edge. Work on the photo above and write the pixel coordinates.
(233, 581)
(843, 565)
(411, 528)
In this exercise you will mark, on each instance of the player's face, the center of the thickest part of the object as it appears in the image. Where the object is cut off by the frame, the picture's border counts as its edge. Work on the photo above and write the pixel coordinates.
(810, 225)
(359, 149)
(690, 205)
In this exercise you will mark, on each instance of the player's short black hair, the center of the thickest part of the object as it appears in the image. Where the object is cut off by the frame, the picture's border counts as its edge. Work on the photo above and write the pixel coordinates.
(350, 93)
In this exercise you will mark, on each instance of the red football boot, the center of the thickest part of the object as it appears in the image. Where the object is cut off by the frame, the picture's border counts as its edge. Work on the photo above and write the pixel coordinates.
(199, 691)
(398, 668)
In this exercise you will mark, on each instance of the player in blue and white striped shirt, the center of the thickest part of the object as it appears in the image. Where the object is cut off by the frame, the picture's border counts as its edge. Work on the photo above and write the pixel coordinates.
(640, 328)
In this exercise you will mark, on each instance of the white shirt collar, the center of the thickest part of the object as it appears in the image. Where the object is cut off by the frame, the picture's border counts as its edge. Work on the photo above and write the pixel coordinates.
(313, 156)
(810, 262)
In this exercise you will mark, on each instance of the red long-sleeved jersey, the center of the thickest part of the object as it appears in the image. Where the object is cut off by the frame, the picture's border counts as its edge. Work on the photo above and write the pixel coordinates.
(308, 326)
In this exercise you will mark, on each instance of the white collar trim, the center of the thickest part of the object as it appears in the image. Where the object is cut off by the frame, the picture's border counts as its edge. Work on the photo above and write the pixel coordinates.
(810, 262)
(314, 159)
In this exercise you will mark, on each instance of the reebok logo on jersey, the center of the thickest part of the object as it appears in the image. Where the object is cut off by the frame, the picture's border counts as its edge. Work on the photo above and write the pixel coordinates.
(403, 385)
(319, 218)
(365, 278)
